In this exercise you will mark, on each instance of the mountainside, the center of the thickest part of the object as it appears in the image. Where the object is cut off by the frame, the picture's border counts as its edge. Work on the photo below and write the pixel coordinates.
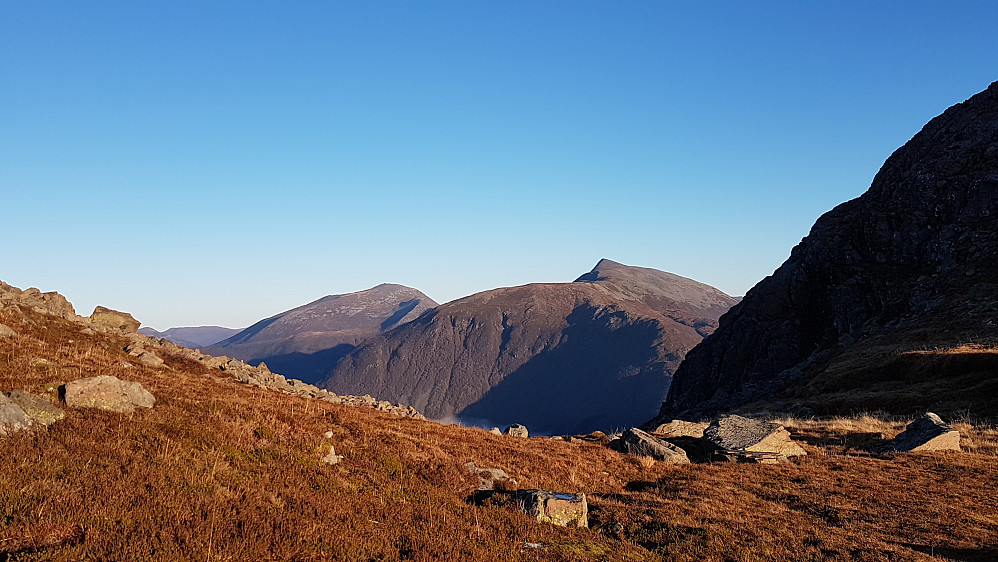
(871, 308)
(557, 357)
(193, 336)
(305, 342)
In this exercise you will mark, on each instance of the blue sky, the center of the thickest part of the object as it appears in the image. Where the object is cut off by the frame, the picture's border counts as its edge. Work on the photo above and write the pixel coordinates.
(215, 163)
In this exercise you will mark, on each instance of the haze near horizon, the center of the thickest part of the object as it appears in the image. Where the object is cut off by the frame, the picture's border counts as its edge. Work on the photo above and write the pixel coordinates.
(215, 165)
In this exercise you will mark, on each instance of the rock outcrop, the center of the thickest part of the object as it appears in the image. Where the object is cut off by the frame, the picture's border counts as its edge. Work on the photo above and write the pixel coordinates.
(106, 393)
(306, 342)
(114, 320)
(638, 443)
(913, 262)
(927, 433)
(561, 358)
(736, 433)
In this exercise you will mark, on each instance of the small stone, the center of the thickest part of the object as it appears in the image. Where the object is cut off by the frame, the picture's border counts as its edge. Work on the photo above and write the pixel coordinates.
(328, 435)
(496, 430)
(6, 331)
(332, 457)
(490, 478)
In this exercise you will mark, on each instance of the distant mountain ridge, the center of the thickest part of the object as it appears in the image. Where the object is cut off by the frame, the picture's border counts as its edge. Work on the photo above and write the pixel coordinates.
(559, 357)
(306, 341)
(192, 336)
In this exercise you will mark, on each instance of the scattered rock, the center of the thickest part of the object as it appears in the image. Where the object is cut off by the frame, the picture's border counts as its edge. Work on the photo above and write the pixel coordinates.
(491, 478)
(496, 430)
(38, 408)
(332, 457)
(552, 507)
(6, 331)
(113, 320)
(517, 430)
(680, 428)
(736, 433)
(107, 393)
(927, 433)
(637, 442)
(12, 417)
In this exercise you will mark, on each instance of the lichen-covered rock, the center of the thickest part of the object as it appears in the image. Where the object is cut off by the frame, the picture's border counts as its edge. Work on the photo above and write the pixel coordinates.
(12, 417)
(38, 408)
(567, 510)
(107, 393)
(737, 433)
(639, 443)
(927, 433)
(113, 320)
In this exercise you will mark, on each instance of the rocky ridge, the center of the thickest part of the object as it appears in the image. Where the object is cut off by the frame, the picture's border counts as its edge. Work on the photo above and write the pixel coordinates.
(149, 350)
(305, 342)
(910, 264)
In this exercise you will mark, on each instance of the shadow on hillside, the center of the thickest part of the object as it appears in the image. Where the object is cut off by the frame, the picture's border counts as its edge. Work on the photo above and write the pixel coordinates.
(403, 309)
(306, 367)
(605, 373)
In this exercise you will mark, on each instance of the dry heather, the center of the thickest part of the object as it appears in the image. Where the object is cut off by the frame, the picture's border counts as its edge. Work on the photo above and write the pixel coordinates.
(223, 471)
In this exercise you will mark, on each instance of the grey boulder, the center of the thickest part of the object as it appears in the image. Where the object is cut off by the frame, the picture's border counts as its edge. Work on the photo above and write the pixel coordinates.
(927, 433)
(107, 393)
(637, 442)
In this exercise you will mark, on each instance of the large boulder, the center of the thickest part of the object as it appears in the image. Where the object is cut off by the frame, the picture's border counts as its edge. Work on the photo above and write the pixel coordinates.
(12, 417)
(927, 433)
(637, 442)
(737, 433)
(107, 393)
(37, 408)
(567, 510)
(517, 430)
(112, 320)
(680, 428)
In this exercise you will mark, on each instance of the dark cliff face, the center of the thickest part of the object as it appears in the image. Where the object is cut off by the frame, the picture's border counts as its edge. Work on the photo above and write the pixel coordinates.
(559, 357)
(911, 261)
(304, 342)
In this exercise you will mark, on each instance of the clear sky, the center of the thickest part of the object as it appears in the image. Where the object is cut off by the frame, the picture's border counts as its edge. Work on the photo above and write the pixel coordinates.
(218, 162)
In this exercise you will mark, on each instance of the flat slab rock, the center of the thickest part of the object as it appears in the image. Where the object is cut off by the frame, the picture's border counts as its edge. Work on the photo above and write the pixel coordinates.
(107, 393)
(680, 428)
(566, 510)
(737, 433)
(927, 433)
(637, 442)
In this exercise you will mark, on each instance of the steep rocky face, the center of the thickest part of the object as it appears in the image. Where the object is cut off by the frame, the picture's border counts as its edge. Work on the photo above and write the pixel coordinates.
(305, 342)
(193, 336)
(910, 263)
(558, 357)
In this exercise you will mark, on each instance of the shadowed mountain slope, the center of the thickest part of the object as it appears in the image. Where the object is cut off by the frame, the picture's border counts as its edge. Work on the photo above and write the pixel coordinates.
(871, 307)
(558, 357)
(194, 336)
(305, 342)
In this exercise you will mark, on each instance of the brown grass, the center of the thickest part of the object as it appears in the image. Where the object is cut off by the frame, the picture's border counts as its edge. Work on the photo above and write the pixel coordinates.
(223, 471)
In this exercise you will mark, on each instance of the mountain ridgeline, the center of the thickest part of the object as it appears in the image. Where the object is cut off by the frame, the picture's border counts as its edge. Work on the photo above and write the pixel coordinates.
(192, 337)
(305, 342)
(871, 308)
(558, 357)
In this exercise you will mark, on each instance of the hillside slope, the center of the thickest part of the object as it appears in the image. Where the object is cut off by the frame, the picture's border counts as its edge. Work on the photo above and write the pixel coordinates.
(557, 357)
(909, 266)
(218, 470)
(305, 342)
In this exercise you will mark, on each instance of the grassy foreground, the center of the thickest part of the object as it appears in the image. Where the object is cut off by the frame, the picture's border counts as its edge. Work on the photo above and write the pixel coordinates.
(223, 471)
